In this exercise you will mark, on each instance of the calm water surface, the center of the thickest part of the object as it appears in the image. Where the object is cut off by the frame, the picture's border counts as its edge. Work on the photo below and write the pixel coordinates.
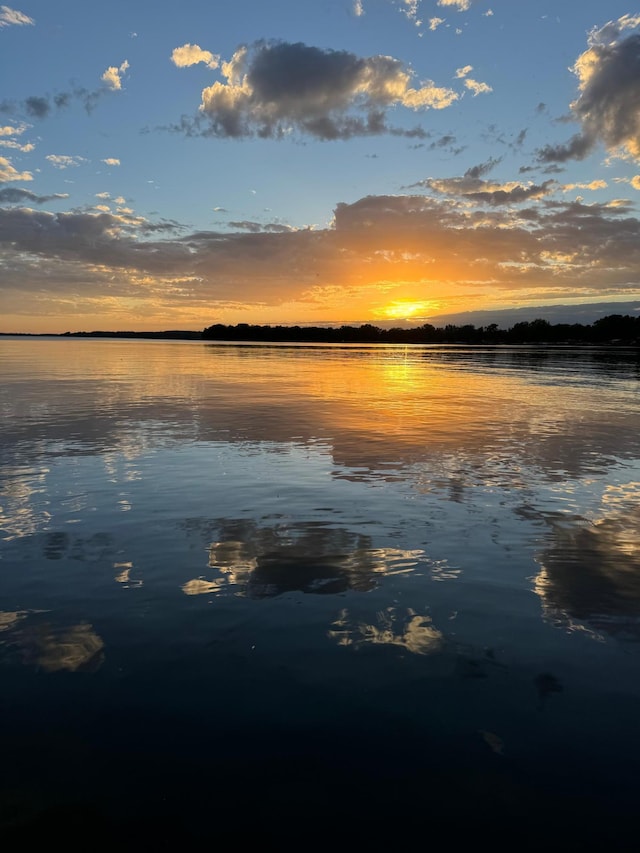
(281, 590)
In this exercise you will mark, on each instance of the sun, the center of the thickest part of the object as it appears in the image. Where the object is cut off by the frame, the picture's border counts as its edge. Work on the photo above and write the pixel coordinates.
(404, 310)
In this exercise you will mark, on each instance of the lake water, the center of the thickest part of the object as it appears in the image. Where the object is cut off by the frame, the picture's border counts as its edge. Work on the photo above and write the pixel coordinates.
(283, 591)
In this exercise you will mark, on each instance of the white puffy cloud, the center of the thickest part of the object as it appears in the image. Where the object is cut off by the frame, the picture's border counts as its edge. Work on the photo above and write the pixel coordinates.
(273, 89)
(462, 72)
(111, 161)
(10, 16)
(192, 54)
(358, 8)
(9, 173)
(113, 75)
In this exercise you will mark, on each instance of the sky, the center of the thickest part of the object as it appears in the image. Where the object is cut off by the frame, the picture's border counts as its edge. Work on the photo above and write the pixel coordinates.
(172, 166)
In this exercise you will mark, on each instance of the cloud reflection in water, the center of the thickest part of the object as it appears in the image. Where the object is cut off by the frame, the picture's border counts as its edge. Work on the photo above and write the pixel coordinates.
(590, 573)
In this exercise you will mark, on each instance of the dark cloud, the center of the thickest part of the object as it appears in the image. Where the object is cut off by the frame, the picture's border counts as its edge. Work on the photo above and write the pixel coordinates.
(273, 89)
(37, 107)
(41, 106)
(514, 195)
(608, 104)
(444, 142)
(577, 148)
(254, 227)
(15, 195)
(519, 140)
(482, 168)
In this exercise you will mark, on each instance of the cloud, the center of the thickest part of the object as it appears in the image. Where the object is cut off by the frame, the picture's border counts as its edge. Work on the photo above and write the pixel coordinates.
(608, 104)
(471, 84)
(64, 161)
(482, 168)
(472, 188)
(358, 8)
(591, 185)
(111, 161)
(11, 143)
(635, 182)
(273, 89)
(460, 5)
(12, 16)
(112, 76)
(434, 23)
(16, 195)
(424, 248)
(9, 173)
(192, 54)
(256, 227)
(9, 130)
(41, 106)
(476, 87)
(410, 9)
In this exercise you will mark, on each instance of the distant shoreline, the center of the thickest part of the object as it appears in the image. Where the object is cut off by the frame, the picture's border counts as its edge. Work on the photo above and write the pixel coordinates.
(612, 330)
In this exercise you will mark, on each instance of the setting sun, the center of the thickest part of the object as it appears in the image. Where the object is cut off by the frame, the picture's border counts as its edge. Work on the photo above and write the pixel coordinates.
(404, 310)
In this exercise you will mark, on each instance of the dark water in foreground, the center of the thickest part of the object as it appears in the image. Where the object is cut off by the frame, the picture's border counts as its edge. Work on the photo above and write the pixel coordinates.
(285, 593)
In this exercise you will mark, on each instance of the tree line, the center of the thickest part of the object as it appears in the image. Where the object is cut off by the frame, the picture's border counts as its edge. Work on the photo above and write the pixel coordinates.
(612, 329)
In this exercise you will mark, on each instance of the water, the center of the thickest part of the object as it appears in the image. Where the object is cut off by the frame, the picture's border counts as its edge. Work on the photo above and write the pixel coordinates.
(282, 591)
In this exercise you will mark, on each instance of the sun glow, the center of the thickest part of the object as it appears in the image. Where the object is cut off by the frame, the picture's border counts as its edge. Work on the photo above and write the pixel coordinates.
(405, 310)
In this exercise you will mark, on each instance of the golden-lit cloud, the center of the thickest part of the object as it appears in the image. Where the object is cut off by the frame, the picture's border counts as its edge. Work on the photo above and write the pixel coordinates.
(410, 9)
(12, 143)
(635, 182)
(9, 173)
(9, 130)
(586, 185)
(273, 89)
(113, 75)
(111, 161)
(460, 5)
(434, 23)
(192, 54)
(476, 87)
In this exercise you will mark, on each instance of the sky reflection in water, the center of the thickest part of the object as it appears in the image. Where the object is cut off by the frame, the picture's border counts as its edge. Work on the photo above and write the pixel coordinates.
(432, 551)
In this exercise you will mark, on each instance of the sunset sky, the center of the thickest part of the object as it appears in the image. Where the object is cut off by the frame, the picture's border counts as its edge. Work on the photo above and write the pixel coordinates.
(170, 166)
